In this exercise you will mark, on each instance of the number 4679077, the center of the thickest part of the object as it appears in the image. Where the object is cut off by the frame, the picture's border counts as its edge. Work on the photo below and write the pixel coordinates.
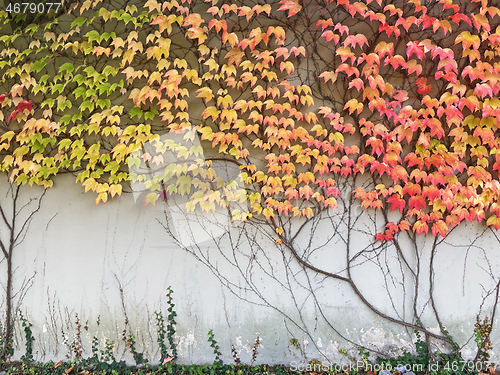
(32, 7)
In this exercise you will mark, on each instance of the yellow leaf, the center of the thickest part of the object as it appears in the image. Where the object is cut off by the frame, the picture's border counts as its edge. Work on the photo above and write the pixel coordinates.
(8, 160)
(115, 189)
(8, 135)
(327, 76)
(205, 92)
(211, 111)
(268, 213)
(151, 198)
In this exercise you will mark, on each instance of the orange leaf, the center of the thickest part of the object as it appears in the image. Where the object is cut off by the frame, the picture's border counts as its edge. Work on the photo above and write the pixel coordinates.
(440, 228)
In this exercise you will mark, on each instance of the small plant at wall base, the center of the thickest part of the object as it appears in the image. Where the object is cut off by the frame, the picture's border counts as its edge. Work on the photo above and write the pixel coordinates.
(255, 350)
(215, 347)
(235, 356)
(169, 332)
(95, 349)
(76, 344)
(138, 357)
(420, 363)
(171, 322)
(28, 336)
(482, 331)
(9, 346)
(161, 333)
(107, 353)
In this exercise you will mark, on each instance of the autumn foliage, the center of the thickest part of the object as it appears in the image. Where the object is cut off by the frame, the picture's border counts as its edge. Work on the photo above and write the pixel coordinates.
(399, 97)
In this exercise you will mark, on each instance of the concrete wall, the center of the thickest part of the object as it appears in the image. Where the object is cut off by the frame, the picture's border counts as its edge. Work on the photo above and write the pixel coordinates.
(114, 262)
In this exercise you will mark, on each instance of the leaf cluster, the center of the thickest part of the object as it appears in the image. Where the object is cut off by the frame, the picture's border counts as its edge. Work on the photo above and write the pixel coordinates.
(299, 96)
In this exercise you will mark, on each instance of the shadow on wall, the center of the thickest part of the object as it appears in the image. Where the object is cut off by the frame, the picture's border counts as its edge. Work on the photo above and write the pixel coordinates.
(158, 173)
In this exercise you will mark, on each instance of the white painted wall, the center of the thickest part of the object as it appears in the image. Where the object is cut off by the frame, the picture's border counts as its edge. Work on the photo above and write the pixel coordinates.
(115, 259)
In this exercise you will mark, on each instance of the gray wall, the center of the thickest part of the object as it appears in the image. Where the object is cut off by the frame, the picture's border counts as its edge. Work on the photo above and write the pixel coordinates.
(115, 261)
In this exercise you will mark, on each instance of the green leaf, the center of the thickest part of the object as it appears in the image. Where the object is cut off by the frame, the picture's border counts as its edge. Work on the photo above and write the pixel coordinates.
(103, 103)
(105, 36)
(65, 120)
(20, 17)
(37, 147)
(67, 67)
(79, 21)
(109, 70)
(79, 91)
(79, 79)
(93, 35)
(151, 114)
(64, 104)
(32, 29)
(104, 87)
(87, 104)
(49, 102)
(21, 179)
(65, 163)
(90, 20)
(89, 70)
(112, 167)
(37, 66)
(126, 17)
(59, 87)
(136, 111)
(113, 88)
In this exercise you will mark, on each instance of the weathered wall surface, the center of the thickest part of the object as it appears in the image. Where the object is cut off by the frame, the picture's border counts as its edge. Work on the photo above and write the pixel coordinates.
(114, 262)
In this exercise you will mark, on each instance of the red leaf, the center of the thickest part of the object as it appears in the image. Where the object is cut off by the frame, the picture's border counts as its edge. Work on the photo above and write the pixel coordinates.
(329, 35)
(396, 61)
(342, 28)
(412, 189)
(416, 202)
(292, 6)
(461, 17)
(396, 202)
(420, 227)
(399, 173)
(404, 225)
(357, 7)
(423, 87)
(352, 40)
(324, 23)
(484, 89)
(350, 70)
(23, 104)
(413, 48)
(393, 10)
(389, 30)
(357, 82)
(12, 115)
(431, 192)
